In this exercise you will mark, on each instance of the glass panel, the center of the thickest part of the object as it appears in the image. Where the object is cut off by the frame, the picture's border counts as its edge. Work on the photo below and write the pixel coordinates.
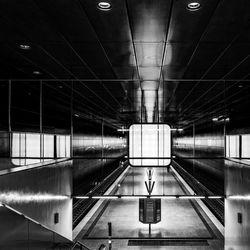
(61, 146)
(33, 148)
(15, 148)
(48, 146)
(67, 153)
(152, 141)
(245, 146)
(22, 144)
(233, 146)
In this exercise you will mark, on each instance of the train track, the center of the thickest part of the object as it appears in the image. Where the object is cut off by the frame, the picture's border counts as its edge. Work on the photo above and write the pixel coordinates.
(215, 205)
(82, 206)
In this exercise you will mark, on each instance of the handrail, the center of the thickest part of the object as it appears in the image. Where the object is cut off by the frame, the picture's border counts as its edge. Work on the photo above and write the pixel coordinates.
(78, 243)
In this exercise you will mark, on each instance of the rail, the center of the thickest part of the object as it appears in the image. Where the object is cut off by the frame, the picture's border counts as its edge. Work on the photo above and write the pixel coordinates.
(216, 206)
(81, 207)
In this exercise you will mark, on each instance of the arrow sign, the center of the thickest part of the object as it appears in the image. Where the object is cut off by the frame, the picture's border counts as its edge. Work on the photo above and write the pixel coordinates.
(149, 187)
(150, 173)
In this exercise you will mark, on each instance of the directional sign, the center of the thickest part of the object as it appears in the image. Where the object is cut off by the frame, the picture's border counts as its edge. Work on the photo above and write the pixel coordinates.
(149, 210)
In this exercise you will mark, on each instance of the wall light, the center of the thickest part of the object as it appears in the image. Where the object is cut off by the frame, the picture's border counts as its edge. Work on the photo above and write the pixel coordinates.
(105, 6)
(193, 6)
(177, 129)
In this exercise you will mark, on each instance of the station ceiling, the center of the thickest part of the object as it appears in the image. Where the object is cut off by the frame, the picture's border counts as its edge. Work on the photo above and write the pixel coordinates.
(143, 60)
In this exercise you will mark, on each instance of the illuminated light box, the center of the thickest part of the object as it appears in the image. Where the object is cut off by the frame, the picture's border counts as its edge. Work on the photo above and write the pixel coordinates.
(149, 141)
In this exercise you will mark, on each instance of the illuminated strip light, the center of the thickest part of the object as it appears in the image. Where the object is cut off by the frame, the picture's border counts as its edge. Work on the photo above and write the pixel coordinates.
(122, 130)
(192, 197)
(165, 197)
(177, 129)
(81, 197)
(104, 197)
(239, 197)
(134, 197)
(20, 197)
(215, 197)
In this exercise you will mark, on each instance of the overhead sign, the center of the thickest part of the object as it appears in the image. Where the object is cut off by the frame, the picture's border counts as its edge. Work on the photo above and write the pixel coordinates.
(149, 211)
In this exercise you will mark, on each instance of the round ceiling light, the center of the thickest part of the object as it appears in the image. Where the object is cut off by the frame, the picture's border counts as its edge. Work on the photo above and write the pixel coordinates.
(24, 46)
(104, 6)
(36, 72)
(193, 6)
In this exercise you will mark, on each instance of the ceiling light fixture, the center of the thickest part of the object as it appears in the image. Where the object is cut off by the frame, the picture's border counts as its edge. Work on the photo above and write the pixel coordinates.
(24, 46)
(193, 6)
(36, 72)
(106, 6)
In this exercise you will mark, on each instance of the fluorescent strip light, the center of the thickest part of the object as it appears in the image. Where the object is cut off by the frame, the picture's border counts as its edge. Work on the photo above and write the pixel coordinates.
(192, 197)
(134, 197)
(104, 197)
(215, 197)
(81, 197)
(122, 130)
(164, 197)
(239, 197)
(177, 129)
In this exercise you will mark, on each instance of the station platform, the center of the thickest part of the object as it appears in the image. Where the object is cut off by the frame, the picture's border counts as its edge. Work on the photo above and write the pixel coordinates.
(183, 225)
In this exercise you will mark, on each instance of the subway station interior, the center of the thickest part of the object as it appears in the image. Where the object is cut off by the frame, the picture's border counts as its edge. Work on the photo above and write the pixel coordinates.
(125, 124)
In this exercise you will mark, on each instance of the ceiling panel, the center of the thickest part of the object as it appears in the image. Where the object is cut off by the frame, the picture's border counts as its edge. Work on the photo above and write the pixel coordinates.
(149, 54)
(110, 26)
(149, 19)
(149, 73)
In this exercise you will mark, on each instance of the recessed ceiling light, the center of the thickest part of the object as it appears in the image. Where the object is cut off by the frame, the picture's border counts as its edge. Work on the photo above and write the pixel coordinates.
(24, 46)
(104, 6)
(36, 72)
(193, 6)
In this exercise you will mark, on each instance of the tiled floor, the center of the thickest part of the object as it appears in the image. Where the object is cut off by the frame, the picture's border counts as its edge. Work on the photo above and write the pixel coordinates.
(179, 219)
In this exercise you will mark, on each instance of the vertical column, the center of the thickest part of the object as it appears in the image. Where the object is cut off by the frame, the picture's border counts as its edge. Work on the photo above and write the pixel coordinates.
(102, 148)
(71, 119)
(41, 121)
(193, 148)
(9, 118)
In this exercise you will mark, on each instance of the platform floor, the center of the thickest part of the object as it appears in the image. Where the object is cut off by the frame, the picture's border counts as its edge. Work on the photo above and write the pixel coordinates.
(183, 224)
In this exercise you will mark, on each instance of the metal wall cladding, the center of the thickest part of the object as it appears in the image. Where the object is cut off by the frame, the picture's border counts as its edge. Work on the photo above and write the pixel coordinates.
(17, 232)
(41, 192)
(94, 152)
(207, 146)
(238, 201)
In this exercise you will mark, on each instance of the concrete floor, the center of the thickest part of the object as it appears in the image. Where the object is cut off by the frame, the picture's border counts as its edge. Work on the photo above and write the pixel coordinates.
(180, 219)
